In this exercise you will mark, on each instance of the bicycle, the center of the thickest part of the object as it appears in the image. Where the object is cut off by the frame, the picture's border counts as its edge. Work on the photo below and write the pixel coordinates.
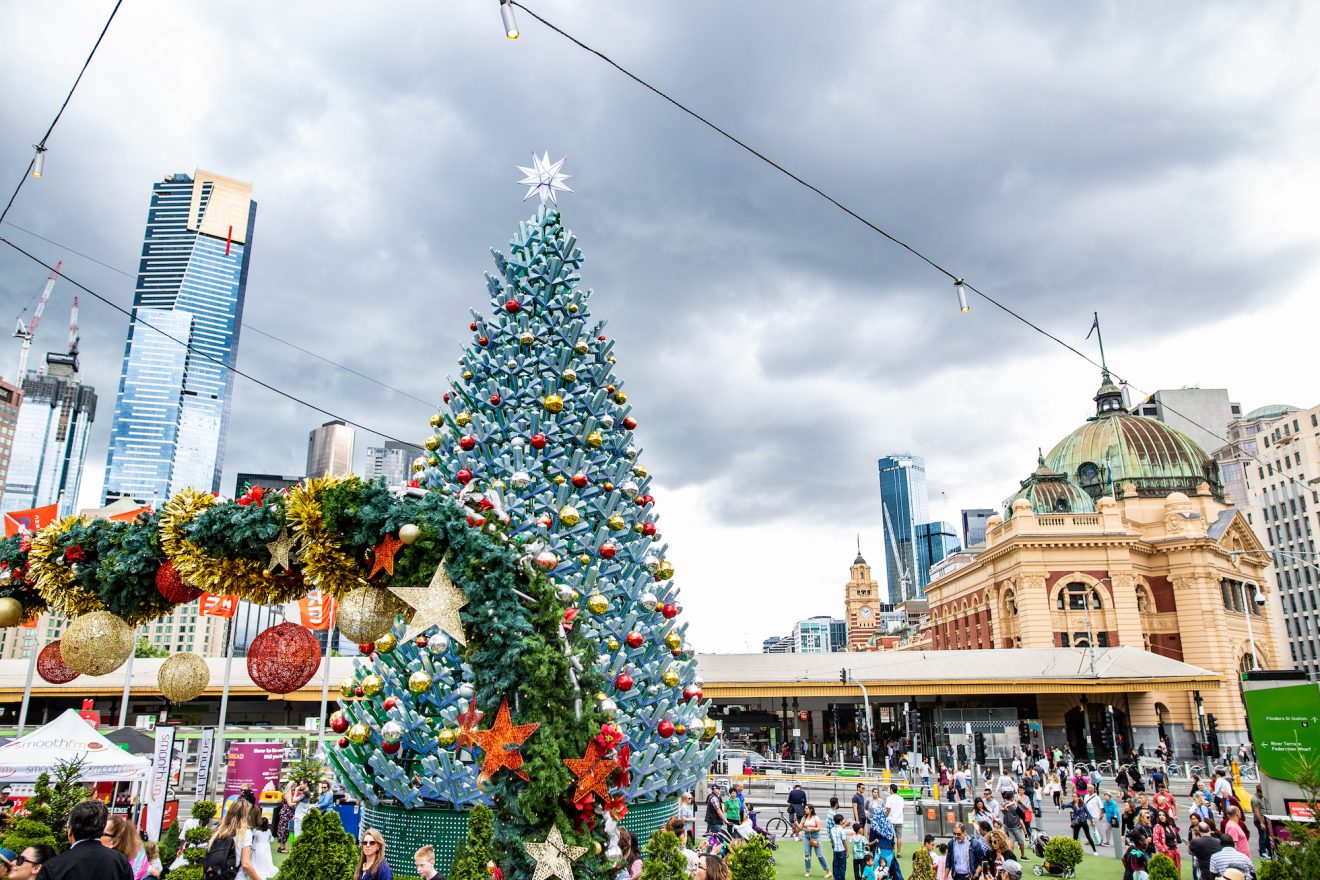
(780, 823)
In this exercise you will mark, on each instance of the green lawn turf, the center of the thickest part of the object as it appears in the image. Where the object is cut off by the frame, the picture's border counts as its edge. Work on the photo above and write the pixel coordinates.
(788, 866)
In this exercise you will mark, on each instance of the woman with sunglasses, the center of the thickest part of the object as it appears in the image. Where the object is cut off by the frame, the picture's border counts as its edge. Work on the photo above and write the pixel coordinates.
(372, 865)
(28, 864)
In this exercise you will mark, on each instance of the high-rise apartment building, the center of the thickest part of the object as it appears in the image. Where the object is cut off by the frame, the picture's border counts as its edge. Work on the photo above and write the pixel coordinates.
(270, 482)
(903, 507)
(171, 413)
(11, 396)
(1237, 458)
(330, 450)
(973, 525)
(391, 462)
(50, 439)
(1201, 413)
(1285, 494)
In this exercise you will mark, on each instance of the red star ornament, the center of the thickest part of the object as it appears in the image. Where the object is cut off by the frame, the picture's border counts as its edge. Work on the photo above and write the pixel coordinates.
(593, 771)
(383, 555)
(467, 724)
(500, 743)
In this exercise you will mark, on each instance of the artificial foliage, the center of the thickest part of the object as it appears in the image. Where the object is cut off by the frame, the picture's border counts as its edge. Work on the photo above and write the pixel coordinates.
(475, 852)
(1162, 868)
(752, 860)
(323, 851)
(195, 844)
(26, 832)
(1299, 858)
(204, 811)
(664, 858)
(308, 769)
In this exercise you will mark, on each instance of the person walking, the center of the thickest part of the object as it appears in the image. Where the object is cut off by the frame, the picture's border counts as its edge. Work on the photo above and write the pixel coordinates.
(262, 860)
(1235, 828)
(859, 805)
(715, 818)
(231, 844)
(284, 819)
(964, 856)
(797, 802)
(424, 861)
(1167, 838)
(1203, 845)
(894, 809)
(372, 864)
(1013, 816)
(87, 858)
(121, 836)
(839, 843)
(1109, 828)
(1080, 819)
(811, 840)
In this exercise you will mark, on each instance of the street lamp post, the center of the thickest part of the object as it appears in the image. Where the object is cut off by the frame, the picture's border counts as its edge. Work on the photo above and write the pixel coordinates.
(847, 676)
(1258, 600)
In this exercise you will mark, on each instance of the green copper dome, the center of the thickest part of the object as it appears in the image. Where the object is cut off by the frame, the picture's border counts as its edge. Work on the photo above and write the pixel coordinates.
(1115, 448)
(1050, 493)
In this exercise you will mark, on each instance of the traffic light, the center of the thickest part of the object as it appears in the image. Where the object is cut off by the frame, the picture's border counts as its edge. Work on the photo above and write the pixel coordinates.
(1024, 733)
(1212, 728)
(843, 676)
(962, 753)
(979, 739)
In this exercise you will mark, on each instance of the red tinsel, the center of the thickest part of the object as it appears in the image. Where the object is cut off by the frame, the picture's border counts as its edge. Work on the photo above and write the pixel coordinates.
(171, 585)
(283, 658)
(624, 759)
(50, 665)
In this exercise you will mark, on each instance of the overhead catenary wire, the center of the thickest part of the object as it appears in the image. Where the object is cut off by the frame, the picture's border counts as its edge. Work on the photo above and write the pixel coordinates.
(194, 350)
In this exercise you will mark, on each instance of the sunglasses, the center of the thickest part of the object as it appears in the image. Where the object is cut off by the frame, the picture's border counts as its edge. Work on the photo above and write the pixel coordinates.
(370, 843)
(20, 859)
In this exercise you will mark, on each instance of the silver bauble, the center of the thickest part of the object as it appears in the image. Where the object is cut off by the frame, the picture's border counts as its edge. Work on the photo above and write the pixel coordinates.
(630, 452)
(517, 443)
(466, 690)
(608, 706)
(438, 643)
(607, 421)
(648, 600)
(520, 479)
(391, 731)
(630, 489)
(652, 563)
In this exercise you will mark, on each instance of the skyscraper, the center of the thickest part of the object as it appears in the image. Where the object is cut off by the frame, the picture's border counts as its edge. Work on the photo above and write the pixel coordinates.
(903, 508)
(935, 540)
(330, 450)
(11, 396)
(973, 525)
(50, 440)
(172, 409)
(392, 462)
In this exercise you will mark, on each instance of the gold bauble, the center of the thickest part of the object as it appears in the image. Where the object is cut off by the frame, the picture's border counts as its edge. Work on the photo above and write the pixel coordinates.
(581, 347)
(97, 643)
(436, 420)
(672, 640)
(183, 677)
(386, 643)
(366, 614)
(620, 398)
(670, 677)
(680, 729)
(433, 459)
(584, 558)
(347, 688)
(446, 737)
(572, 308)
(613, 644)
(554, 403)
(708, 728)
(640, 470)
(432, 443)
(615, 523)
(569, 516)
(595, 848)
(559, 480)
(665, 571)
(463, 419)
(597, 603)
(601, 696)
(419, 464)
(607, 486)
(467, 374)
(419, 682)
(526, 337)
(594, 439)
(11, 612)
(569, 376)
(359, 734)
(372, 685)
(409, 533)
(612, 359)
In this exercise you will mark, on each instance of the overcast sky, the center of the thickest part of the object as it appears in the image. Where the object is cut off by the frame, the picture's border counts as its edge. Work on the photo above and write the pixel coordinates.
(1156, 162)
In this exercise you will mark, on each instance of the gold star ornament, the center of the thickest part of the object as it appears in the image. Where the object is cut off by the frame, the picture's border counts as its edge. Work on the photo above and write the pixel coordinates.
(281, 549)
(554, 857)
(434, 605)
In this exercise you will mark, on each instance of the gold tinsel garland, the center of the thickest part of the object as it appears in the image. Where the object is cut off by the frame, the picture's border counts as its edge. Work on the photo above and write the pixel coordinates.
(245, 578)
(55, 581)
(323, 564)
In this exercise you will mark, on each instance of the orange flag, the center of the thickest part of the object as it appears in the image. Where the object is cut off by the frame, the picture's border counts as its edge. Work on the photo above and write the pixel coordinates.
(215, 605)
(32, 520)
(317, 610)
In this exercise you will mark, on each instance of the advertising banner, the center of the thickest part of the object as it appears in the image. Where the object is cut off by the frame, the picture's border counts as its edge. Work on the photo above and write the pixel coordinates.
(205, 750)
(255, 766)
(317, 610)
(162, 758)
(216, 605)
(1285, 726)
(33, 520)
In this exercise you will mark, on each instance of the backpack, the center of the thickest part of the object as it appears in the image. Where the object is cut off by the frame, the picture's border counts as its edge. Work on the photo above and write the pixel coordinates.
(221, 862)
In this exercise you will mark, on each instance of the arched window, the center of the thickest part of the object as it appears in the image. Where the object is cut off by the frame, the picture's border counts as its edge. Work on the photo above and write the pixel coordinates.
(1075, 596)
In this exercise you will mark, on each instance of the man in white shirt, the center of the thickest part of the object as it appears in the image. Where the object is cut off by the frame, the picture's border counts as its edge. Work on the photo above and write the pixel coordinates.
(894, 807)
(960, 781)
(994, 806)
(1007, 786)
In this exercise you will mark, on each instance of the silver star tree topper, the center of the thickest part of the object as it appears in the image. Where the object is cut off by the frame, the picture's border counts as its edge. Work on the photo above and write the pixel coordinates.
(544, 178)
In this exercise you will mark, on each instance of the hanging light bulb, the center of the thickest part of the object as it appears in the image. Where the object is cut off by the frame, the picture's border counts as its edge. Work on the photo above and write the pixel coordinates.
(39, 163)
(506, 13)
(962, 296)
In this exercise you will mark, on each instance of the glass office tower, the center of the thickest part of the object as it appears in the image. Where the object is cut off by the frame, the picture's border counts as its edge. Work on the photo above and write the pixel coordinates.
(50, 440)
(935, 540)
(904, 507)
(171, 413)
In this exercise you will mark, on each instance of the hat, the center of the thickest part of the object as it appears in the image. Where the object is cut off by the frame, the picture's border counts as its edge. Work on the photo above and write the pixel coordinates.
(1012, 869)
(7, 855)
(1232, 874)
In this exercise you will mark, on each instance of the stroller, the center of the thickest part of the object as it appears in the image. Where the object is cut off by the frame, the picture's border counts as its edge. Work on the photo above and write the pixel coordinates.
(751, 828)
(1038, 842)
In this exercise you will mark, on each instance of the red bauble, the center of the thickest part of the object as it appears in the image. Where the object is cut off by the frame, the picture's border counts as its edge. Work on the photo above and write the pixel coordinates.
(538, 441)
(494, 400)
(420, 641)
(472, 326)
(445, 398)
(170, 585)
(464, 476)
(343, 742)
(390, 703)
(607, 550)
(623, 681)
(51, 666)
(366, 648)
(513, 307)
(482, 340)
(580, 480)
(634, 639)
(691, 692)
(648, 529)
(338, 723)
(467, 444)
(640, 500)
(650, 499)
(359, 692)
(670, 610)
(665, 728)
(390, 748)
(283, 658)
(476, 520)
(629, 422)
(601, 338)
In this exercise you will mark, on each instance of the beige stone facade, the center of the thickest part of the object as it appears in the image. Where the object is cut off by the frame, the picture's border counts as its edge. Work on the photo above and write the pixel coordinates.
(862, 606)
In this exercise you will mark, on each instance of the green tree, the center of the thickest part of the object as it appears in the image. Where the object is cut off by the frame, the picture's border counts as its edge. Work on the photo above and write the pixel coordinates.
(26, 832)
(1299, 859)
(752, 861)
(474, 853)
(323, 851)
(1162, 868)
(145, 648)
(923, 868)
(204, 811)
(195, 842)
(54, 795)
(309, 769)
(664, 858)
(1063, 852)
(169, 844)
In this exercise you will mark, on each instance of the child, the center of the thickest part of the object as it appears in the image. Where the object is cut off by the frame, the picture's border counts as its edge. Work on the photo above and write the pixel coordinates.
(940, 871)
(839, 843)
(868, 867)
(153, 858)
(858, 845)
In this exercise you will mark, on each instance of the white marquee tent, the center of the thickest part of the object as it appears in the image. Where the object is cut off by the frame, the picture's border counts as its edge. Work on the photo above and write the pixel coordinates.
(68, 738)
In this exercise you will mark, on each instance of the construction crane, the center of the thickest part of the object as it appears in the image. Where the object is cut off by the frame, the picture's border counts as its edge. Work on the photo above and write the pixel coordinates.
(73, 333)
(904, 582)
(25, 331)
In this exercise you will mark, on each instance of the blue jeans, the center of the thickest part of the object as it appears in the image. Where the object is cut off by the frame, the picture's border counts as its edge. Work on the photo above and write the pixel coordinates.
(840, 865)
(808, 838)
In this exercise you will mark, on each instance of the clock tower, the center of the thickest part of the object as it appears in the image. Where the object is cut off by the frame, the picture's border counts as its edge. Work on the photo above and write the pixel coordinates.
(862, 600)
